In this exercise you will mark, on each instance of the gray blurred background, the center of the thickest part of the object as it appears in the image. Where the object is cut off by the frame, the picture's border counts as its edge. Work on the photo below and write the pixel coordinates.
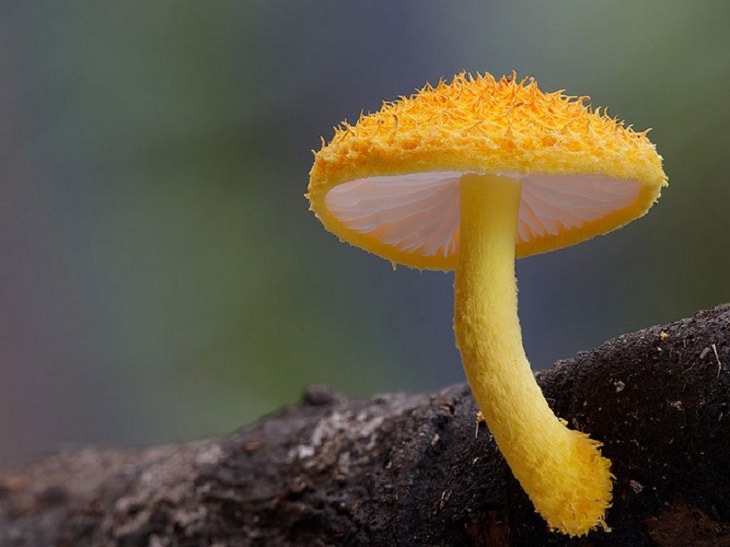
(161, 278)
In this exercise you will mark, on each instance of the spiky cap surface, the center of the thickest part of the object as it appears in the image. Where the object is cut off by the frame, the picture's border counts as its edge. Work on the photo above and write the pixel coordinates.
(481, 125)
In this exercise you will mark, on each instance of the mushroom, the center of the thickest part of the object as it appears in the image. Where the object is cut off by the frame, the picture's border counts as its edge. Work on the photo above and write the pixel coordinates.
(468, 176)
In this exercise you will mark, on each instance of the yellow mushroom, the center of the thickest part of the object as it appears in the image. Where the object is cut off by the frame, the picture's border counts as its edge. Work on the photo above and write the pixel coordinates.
(469, 175)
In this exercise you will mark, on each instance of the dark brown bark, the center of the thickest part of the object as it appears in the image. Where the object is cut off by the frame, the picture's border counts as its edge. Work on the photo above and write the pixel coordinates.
(404, 469)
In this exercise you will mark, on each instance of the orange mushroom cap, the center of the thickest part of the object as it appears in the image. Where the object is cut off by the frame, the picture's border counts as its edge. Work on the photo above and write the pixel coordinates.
(390, 183)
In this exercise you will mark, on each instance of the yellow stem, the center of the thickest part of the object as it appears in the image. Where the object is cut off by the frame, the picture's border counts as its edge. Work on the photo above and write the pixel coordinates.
(562, 470)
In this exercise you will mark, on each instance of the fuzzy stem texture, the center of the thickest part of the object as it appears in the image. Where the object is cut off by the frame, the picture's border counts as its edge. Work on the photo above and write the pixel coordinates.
(562, 470)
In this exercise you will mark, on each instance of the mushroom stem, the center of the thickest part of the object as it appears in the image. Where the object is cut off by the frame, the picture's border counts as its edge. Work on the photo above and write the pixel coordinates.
(562, 470)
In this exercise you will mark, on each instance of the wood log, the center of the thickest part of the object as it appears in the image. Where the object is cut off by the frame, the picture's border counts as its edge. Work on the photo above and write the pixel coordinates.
(405, 469)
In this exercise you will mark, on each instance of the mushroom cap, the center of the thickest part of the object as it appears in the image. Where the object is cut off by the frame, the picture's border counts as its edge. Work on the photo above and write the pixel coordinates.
(390, 183)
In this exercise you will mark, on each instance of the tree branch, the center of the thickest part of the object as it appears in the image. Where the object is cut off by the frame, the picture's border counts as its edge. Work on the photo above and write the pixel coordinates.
(412, 469)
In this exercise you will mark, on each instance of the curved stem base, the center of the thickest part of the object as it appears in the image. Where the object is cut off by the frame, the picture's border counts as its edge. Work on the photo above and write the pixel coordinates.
(562, 470)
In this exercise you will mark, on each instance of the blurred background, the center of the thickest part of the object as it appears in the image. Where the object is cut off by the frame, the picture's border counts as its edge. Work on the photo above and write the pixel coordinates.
(161, 278)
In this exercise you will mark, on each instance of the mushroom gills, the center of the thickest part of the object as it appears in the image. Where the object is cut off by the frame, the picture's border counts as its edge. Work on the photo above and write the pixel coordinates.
(419, 212)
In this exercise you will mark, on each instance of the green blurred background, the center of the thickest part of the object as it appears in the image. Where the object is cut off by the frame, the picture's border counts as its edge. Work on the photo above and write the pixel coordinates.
(161, 278)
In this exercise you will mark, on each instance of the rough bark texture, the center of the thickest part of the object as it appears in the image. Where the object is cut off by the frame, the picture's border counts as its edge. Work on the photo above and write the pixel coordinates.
(406, 469)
